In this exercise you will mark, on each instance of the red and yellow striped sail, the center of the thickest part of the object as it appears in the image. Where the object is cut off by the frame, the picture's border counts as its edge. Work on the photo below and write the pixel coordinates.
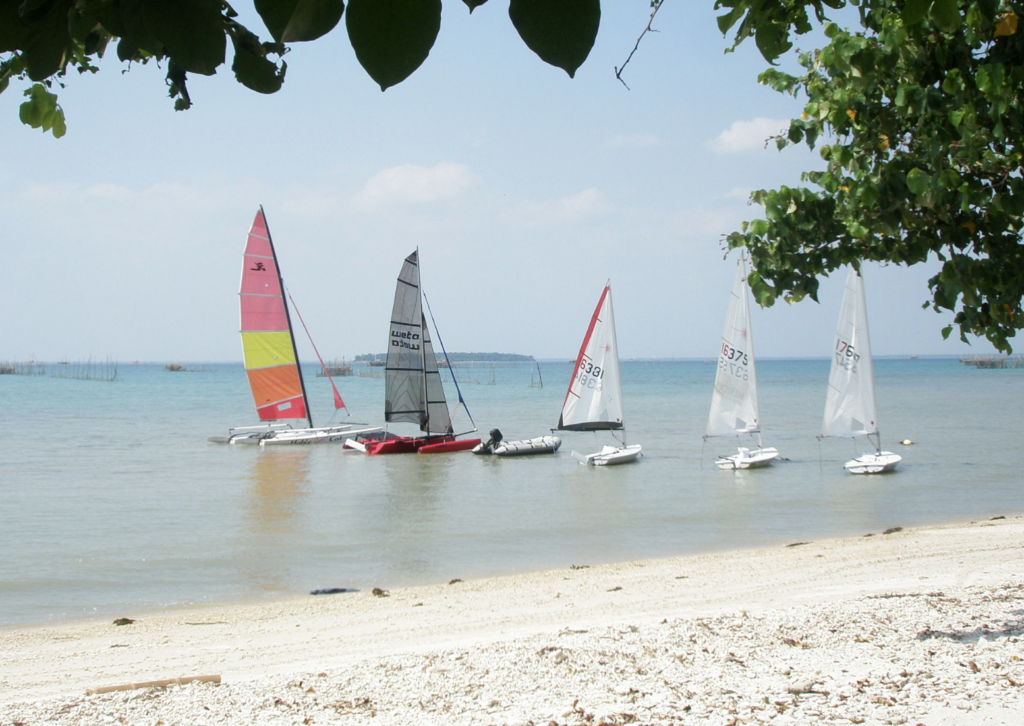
(267, 344)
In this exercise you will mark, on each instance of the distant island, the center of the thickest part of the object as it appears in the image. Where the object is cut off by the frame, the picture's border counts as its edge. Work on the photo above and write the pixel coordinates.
(454, 357)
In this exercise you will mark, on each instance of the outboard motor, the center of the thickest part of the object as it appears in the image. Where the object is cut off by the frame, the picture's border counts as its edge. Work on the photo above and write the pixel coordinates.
(487, 447)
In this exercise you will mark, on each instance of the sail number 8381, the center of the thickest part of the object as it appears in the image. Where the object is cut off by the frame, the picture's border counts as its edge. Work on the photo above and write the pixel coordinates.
(589, 375)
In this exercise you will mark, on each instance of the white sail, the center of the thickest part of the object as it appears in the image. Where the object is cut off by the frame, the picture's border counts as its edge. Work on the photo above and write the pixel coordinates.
(594, 398)
(734, 402)
(850, 403)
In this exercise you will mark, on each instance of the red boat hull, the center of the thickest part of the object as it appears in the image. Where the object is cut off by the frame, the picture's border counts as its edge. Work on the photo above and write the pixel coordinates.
(422, 445)
(446, 446)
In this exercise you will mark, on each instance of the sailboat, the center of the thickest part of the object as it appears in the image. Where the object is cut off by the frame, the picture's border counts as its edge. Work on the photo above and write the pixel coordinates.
(594, 399)
(413, 392)
(850, 403)
(271, 358)
(734, 402)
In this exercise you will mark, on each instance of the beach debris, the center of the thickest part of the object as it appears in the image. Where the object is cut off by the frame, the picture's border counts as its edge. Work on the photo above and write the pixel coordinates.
(153, 684)
(797, 544)
(893, 530)
(579, 567)
(615, 589)
(802, 688)
(377, 592)
(332, 590)
(454, 581)
(997, 517)
(123, 621)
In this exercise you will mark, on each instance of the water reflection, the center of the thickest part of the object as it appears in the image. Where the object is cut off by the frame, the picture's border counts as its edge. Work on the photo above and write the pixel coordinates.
(278, 480)
(278, 487)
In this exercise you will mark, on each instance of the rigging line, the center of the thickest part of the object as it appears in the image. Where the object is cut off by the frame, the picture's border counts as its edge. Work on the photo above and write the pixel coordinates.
(338, 403)
(450, 369)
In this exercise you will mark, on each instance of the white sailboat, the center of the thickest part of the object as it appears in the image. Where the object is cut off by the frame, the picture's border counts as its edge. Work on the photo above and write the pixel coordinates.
(594, 399)
(734, 402)
(850, 403)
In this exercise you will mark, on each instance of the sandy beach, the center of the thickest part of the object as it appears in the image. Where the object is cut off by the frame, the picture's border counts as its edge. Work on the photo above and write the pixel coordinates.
(912, 627)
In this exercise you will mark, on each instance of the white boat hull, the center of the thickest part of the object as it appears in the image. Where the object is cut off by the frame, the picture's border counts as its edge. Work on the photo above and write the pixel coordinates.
(524, 447)
(873, 463)
(332, 435)
(610, 455)
(748, 459)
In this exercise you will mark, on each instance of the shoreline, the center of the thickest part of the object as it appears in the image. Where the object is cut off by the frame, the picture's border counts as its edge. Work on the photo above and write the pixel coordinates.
(664, 640)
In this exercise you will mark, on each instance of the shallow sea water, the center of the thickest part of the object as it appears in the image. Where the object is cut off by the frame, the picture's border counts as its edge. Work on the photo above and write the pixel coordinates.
(114, 503)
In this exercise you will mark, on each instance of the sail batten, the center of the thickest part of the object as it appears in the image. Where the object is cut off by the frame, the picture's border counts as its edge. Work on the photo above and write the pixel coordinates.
(268, 346)
(734, 408)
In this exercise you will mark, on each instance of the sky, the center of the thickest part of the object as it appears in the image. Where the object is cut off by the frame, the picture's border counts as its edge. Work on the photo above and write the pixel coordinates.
(523, 189)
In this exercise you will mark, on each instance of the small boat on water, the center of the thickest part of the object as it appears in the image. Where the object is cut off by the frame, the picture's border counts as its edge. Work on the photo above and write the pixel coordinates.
(413, 392)
(594, 399)
(850, 402)
(271, 358)
(525, 447)
(734, 410)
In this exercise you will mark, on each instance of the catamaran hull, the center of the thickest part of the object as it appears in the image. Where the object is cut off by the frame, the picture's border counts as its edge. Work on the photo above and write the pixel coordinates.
(302, 437)
(878, 463)
(747, 459)
(447, 446)
(610, 455)
(421, 445)
(525, 447)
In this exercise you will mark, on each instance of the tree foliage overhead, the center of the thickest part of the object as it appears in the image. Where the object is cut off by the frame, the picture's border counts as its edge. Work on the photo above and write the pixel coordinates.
(41, 41)
(918, 114)
(919, 117)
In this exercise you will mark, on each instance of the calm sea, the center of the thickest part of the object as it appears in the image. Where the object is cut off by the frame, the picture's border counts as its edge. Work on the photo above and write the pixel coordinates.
(114, 503)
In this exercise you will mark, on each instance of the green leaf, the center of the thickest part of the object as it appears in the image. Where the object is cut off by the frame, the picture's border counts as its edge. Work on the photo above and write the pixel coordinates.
(473, 4)
(392, 38)
(915, 11)
(729, 19)
(255, 71)
(991, 79)
(918, 181)
(759, 227)
(12, 32)
(561, 32)
(946, 14)
(47, 42)
(41, 111)
(946, 331)
(294, 21)
(772, 39)
(192, 32)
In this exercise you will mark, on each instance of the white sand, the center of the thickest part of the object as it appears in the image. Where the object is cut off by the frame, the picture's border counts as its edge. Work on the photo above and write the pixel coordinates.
(917, 627)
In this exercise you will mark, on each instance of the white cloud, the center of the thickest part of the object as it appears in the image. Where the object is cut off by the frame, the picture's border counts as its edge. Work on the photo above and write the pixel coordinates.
(588, 203)
(747, 135)
(414, 184)
(632, 141)
(738, 193)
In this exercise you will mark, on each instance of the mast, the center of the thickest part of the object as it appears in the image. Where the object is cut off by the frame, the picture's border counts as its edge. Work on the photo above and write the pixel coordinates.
(291, 332)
